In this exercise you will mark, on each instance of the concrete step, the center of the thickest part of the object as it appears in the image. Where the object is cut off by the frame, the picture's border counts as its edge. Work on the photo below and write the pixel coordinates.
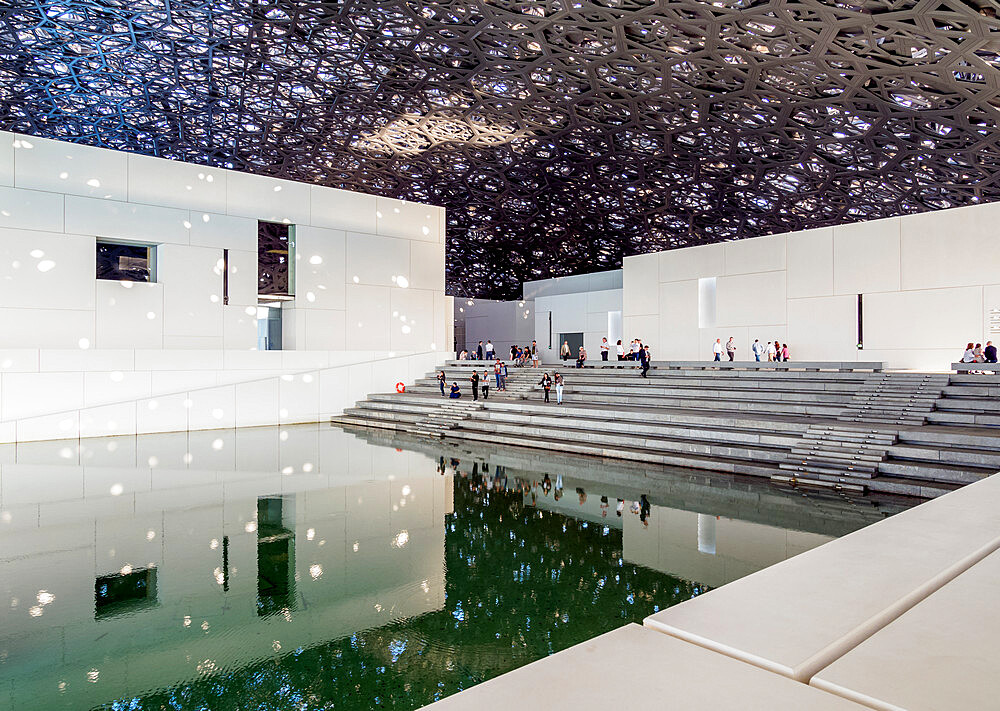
(924, 471)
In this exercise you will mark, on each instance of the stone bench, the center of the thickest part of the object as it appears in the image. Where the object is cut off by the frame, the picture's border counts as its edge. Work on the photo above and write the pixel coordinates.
(993, 368)
(808, 365)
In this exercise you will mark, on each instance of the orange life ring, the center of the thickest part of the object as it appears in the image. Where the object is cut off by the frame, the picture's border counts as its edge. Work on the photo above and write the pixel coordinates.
(400, 388)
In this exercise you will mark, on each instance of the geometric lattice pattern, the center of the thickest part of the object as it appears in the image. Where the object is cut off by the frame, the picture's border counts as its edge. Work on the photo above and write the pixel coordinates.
(560, 135)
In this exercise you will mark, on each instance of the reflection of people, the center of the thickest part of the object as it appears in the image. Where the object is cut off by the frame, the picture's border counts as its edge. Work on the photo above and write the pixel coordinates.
(582, 494)
(455, 392)
(546, 484)
(620, 507)
(644, 510)
(604, 506)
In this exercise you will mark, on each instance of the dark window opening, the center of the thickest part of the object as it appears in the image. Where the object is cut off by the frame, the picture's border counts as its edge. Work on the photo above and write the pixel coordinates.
(275, 558)
(861, 324)
(225, 277)
(124, 593)
(125, 262)
(275, 259)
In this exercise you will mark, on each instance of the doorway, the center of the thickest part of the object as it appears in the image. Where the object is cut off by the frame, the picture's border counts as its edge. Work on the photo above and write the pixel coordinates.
(575, 341)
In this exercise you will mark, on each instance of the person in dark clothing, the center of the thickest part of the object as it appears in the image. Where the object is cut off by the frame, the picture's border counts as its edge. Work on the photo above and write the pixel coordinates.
(546, 383)
(990, 352)
(455, 392)
(513, 352)
(644, 509)
(644, 360)
(475, 385)
(479, 351)
(441, 379)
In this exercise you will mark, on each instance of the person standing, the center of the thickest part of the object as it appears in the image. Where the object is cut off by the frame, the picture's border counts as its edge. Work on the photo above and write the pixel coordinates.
(717, 349)
(513, 352)
(634, 349)
(777, 350)
(621, 350)
(479, 351)
(770, 351)
(604, 349)
(546, 383)
(534, 354)
(559, 388)
(475, 385)
(490, 352)
(757, 349)
(564, 350)
(498, 372)
(784, 352)
(644, 360)
(731, 349)
(503, 376)
(486, 385)
(581, 358)
(441, 379)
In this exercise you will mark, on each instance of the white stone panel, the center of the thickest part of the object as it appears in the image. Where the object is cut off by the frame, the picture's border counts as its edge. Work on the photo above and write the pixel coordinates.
(71, 168)
(172, 183)
(45, 270)
(21, 360)
(444, 322)
(239, 327)
(257, 403)
(368, 317)
(162, 413)
(324, 329)
(343, 210)
(28, 394)
(210, 229)
(933, 318)
(409, 220)
(192, 342)
(212, 408)
(604, 300)
(760, 254)
(178, 360)
(823, 328)
(320, 256)
(268, 199)
(427, 266)
(692, 262)
(101, 388)
(128, 221)
(129, 315)
(46, 328)
(640, 284)
(643, 327)
(243, 277)
(416, 332)
(108, 420)
(7, 158)
(375, 260)
(65, 425)
(866, 257)
(750, 298)
(52, 360)
(810, 263)
(192, 279)
(298, 398)
(333, 391)
(31, 210)
(956, 247)
(677, 336)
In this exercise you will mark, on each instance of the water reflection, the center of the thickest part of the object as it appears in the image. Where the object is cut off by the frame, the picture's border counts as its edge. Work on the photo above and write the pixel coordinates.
(310, 565)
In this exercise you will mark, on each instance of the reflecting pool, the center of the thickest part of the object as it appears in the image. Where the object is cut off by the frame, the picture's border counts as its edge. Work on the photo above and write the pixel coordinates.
(312, 568)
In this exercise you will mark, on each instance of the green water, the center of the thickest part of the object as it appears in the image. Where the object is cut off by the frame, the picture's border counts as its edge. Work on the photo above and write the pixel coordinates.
(308, 568)
(521, 583)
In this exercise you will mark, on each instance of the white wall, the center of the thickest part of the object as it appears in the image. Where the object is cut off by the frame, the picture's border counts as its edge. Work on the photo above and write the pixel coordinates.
(506, 323)
(57, 199)
(929, 283)
(585, 312)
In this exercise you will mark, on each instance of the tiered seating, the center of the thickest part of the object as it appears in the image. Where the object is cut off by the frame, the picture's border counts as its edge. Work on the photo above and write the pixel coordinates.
(834, 427)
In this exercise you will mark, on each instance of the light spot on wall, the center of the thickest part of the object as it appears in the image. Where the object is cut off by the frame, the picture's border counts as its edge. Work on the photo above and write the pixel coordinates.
(402, 282)
(46, 265)
(150, 315)
(84, 343)
(116, 489)
(316, 259)
(94, 183)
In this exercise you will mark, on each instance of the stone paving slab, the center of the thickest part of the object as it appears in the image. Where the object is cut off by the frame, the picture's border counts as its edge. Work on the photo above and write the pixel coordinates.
(796, 617)
(637, 668)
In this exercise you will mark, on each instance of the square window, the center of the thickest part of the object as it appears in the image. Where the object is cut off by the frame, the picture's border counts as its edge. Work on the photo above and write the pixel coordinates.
(125, 592)
(125, 262)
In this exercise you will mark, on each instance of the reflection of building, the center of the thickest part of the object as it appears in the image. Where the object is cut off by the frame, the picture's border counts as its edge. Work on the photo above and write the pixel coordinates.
(315, 537)
(709, 549)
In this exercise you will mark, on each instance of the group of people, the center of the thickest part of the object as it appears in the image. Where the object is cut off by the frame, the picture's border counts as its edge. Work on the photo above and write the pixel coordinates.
(977, 354)
(479, 383)
(773, 351)
(547, 382)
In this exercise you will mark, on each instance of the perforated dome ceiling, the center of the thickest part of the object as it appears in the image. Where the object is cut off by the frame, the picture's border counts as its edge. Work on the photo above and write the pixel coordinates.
(561, 136)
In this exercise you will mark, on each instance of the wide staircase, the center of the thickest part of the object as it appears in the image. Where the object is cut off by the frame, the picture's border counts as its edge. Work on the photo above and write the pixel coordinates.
(858, 429)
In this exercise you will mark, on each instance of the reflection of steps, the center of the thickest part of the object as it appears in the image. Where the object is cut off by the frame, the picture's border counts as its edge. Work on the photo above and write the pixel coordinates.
(444, 418)
(895, 399)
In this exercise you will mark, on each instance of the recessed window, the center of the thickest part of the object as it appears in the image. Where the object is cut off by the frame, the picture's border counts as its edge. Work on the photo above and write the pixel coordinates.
(124, 593)
(125, 262)
(275, 259)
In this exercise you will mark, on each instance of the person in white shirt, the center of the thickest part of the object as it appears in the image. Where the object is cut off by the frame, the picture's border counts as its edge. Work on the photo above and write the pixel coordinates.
(757, 349)
(717, 349)
(490, 352)
(770, 351)
(621, 350)
(635, 349)
(604, 348)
